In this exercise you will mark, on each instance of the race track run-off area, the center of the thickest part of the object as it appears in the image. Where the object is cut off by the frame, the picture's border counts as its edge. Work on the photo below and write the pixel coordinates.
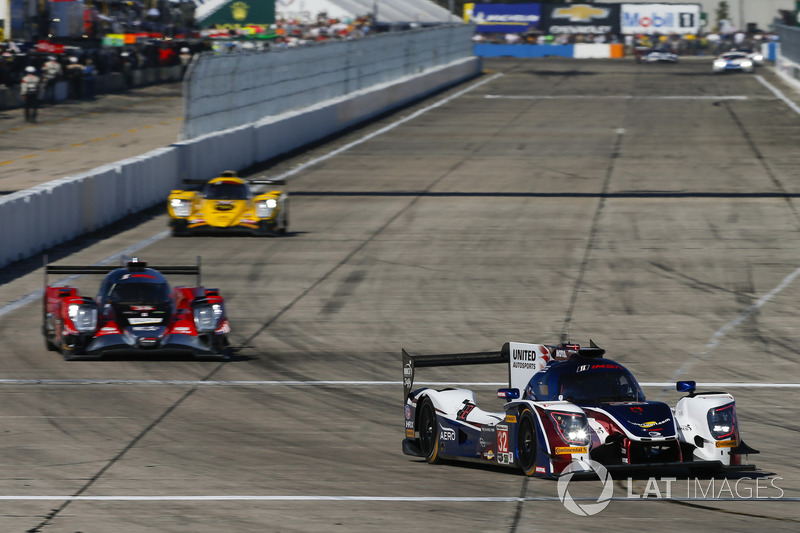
(650, 208)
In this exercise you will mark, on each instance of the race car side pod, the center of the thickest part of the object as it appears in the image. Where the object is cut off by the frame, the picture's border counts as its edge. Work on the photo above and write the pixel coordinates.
(410, 362)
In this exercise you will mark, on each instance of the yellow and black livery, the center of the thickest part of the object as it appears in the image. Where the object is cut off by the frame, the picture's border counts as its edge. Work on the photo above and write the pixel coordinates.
(230, 204)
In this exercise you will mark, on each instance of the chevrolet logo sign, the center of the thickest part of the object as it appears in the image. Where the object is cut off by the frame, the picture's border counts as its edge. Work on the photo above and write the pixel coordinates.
(580, 13)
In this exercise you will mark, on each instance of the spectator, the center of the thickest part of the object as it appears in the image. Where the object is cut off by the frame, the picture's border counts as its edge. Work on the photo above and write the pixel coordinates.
(75, 78)
(51, 73)
(29, 90)
(89, 75)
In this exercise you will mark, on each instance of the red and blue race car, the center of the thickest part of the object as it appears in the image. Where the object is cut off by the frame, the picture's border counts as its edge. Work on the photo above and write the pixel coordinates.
(568, 405)
(135, 312)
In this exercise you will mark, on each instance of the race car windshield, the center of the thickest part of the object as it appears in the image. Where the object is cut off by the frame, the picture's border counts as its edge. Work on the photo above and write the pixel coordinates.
(599, 386)
(140, 293)
(226, 191)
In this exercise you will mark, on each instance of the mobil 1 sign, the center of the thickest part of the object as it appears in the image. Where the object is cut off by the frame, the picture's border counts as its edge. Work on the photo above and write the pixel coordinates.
(660, 18)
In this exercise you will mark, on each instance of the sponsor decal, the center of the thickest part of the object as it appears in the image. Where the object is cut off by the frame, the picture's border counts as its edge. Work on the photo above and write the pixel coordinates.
(407, 371)
(540, 470)
(482, 442)
(108, 330)
(726, 444)
(142, 308)
(580, 13)
(409, 424)
(503, 18)
(408, 412)
(490, 455)
(511, 419)
(654, 433)
(502, 444)
(144, 320)
(465, 411)
(182, 329)
(410, 433)
(446, 434)
(637, 410)
(563, 450)
(645, 425)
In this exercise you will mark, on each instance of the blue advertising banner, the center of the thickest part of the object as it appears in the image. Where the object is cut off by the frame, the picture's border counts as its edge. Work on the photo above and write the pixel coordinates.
(505, 18)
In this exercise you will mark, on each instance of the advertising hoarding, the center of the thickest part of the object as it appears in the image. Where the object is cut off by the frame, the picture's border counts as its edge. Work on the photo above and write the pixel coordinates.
(594, 19)
(661, 18)
(503, 18)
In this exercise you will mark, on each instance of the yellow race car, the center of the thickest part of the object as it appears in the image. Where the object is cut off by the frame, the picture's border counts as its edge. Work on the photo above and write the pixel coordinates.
(229, 204)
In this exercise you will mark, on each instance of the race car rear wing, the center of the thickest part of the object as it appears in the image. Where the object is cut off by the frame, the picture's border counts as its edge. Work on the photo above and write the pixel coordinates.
(134, 263)
(523, 359)
(411, 362)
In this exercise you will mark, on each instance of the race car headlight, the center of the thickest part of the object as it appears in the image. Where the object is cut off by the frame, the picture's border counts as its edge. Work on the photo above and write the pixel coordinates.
(720, 63)
(573, 427)
(747, 64)
(181, 207)
(758, 57)
(206, 317)
(83, 317)
(722, 421)
(264, 208)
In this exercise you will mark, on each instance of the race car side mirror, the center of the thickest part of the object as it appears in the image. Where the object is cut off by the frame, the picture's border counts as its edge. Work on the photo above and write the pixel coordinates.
(686, 386)
(508, 394)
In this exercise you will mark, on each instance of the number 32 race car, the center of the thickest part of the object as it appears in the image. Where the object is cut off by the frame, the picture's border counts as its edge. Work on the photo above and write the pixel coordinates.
(568, 404)
(135, 311)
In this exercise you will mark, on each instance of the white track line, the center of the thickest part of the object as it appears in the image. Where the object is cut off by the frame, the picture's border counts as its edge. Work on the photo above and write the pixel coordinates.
(344, 383)
(794, 107)
(716, 338)
(407, 499)
(384, 129)
(610, 97)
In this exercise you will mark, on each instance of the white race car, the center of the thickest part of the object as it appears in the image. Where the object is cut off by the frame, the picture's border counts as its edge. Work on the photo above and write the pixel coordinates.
(568, 405)
(733, 61)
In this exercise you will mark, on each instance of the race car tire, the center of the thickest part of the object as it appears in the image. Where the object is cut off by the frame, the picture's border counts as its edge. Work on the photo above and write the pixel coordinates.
(49, 345)
(526, 442)
(283, 228)
(428, 432)
(179, 228)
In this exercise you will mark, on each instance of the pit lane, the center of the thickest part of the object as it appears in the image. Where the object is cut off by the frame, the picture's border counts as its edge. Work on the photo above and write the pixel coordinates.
(647, 224)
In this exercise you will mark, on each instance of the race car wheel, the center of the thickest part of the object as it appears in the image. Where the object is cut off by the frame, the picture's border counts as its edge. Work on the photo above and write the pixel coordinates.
(284, 227)
(526, 442)
(428, 432)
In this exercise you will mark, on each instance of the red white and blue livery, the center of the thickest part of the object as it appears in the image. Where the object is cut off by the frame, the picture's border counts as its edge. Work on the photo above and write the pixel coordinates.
(566, 404)
(134, 312)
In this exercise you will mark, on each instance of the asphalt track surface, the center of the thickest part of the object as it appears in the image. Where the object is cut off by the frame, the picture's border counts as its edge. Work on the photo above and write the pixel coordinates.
(651, 208)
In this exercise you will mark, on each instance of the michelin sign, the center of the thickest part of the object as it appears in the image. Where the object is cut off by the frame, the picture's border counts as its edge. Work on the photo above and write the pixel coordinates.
(503, 18)
(660, 18)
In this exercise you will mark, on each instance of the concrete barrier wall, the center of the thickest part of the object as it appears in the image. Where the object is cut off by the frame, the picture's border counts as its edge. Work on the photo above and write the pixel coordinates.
(64, 209)
(230, 90)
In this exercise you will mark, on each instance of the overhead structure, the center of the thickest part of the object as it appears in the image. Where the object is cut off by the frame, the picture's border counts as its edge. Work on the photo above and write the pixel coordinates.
(384, 11)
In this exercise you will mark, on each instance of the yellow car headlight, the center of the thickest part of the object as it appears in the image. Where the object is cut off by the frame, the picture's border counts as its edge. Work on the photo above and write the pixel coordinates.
(181, 207)
(264, 208)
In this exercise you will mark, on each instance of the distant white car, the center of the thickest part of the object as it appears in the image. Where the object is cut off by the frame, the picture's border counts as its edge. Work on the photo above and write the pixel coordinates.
(733, 61)
(659, 55)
